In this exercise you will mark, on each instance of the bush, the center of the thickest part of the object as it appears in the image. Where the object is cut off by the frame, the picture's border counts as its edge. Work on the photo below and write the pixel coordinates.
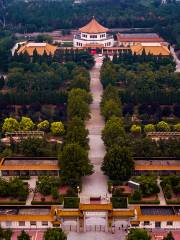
(136, 195)
(119, 202)
(71, 202)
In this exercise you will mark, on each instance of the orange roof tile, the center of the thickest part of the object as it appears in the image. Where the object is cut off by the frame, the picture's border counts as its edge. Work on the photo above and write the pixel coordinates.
(155, 50)
(156, 168)
(40, 47)
(123, 213)
(26, 218)
(29, 167)
(93, 27)
(69, 213)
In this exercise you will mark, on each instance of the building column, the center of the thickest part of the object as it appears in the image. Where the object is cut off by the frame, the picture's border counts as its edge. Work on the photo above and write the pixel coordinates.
(78, 225)
(106, 226)
(84, 223)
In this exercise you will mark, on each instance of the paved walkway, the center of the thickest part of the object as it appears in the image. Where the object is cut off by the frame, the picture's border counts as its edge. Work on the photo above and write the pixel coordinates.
(96, 184)
(97, 236)
(32, 185)
(161, 194)
(177, 61)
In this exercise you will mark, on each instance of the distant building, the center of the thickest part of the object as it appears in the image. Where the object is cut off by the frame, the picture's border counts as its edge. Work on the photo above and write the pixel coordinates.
(41, 48)
(133, 39)
(93, 35)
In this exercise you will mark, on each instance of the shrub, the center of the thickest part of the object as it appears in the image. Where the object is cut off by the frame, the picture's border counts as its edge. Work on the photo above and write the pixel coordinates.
(71, 202)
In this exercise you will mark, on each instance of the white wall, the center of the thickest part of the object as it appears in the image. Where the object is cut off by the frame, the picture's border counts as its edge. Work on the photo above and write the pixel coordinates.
(81, 43)
(164, 225)
(15, 224)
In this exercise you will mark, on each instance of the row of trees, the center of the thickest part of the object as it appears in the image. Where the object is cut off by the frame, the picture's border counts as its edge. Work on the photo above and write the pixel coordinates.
(26, 124)
(161, 126)
(118, 163)
(110, 103)
(143, 82)
(73, 159)
(81, 58)
(127, 57)
(145, 147)
(30, 147)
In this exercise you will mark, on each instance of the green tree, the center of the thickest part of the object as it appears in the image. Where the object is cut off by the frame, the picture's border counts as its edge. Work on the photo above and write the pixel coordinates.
(34, 147)
(83, 94)
(163, 127)
(118, 163)
(135, 129)
(80, 82)
(5, 234)
(138, 234)
(43, 126)
(113, 132)
(77, 133)
(10, 125)
(26, 124)
(54, 234)
(177, 127)
(137, 195)
(74, 162)
(77, 107)
(24, 236)
(169, 236)
(57, 128)
(47, 184)
(149, 128)
(108, 74)
(110, 108)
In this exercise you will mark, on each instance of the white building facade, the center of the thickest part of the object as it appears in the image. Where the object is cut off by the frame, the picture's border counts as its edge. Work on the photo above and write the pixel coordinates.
(93, 35)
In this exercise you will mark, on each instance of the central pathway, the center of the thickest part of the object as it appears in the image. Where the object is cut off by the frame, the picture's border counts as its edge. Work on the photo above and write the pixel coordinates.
(96, 184)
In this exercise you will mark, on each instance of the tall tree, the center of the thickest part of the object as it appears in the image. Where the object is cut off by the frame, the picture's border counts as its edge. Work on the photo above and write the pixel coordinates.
(74, 162)
(118, 163)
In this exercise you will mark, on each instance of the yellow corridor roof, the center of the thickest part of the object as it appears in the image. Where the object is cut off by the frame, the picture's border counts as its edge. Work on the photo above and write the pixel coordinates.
(93, 27)
(154, 49)
(40, 48)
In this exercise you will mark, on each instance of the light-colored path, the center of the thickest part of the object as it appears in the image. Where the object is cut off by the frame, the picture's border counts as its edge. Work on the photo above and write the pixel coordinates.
(96, 236)
(32, 185)
(160, 194)
(177, 61)
(96, 184)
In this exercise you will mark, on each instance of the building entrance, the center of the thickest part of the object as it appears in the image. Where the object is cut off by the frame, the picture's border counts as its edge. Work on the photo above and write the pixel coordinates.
(96, 221)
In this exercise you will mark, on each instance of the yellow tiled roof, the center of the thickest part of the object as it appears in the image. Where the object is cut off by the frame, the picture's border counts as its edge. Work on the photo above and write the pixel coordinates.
(26, 218)
(155, 50)
(70, 213)
(93, 27)
(40, 48)
(123, 213)
(29, 167)
(157, 168)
